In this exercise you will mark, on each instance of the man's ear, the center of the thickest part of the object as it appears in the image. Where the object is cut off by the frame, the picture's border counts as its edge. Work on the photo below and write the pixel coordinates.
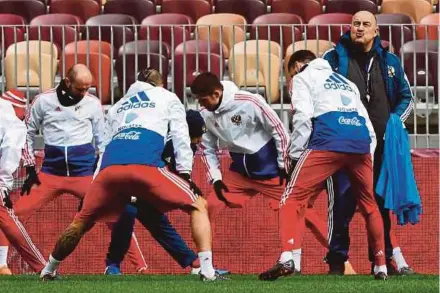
(67, 81)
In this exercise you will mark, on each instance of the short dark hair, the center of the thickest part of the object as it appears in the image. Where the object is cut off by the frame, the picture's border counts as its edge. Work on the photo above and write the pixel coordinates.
(300, 56)
(205, 84)
(151, 76)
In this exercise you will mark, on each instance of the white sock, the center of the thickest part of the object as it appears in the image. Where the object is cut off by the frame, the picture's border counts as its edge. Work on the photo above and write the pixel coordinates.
(296, 253)
(286, 256)
(51, 266)
(3, 255)
(206, 267)
(382, 268)
(399, 259)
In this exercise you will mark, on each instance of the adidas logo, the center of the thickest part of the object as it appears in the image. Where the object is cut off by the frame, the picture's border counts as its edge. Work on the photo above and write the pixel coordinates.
(337, 82)
(140, 100)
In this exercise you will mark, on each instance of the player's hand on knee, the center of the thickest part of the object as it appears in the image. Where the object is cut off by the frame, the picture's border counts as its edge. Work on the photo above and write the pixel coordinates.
(194, 188)
(4, 197)
(31, 179)
(293, 163)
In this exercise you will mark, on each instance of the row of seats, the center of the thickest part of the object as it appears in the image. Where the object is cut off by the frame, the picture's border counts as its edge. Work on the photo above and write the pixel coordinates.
(195, 9)
(250, 63)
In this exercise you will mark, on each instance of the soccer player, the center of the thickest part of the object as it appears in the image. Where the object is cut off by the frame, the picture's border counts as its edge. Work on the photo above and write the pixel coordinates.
(12, 141)
(70, 118)
(132, 164)
(331, 131)
(257, 143)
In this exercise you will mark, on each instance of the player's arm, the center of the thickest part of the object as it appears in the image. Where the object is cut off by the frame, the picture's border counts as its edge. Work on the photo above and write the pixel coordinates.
(33, 120)
(99, 129)
(302, 109)
(209, 156)
(11, 148)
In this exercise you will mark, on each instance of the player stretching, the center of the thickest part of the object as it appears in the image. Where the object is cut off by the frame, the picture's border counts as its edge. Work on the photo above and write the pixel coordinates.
(331, 131)
(132, 165)
(257, 143)
(12, 140)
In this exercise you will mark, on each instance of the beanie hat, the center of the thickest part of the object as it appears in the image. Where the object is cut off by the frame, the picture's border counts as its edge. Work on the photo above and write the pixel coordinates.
(196, 124)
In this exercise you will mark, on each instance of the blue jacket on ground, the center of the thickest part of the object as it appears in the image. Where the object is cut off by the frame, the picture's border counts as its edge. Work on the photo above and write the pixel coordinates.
(396, 183)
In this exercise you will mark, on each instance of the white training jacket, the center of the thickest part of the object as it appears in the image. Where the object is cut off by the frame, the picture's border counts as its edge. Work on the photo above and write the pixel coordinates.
(12, 141)
(328, 113)
(251, 131)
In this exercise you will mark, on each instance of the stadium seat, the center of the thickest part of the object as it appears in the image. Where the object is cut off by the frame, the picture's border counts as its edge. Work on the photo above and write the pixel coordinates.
(277, 27)
(306, 9)
(249, 9)
(417, 9)
(27, 9)
(166, 28)
(428, 28)
(256, 47)
(212, 27)
(350, 6)
(319, 26)
(31, 63)
(159, 62)
(144, 47)
(84, 9)
(139, 9)
(193, 8)
(425, 72)
(201, 46)
(13, 19)
(188, 66)
(115, 29)
(60, 29)
(92, 46)
(100, 2)
(392, 23)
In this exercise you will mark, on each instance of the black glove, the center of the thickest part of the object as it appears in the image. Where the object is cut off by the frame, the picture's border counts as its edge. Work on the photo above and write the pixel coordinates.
(5, 199)
(283, 176)
(219, 186)
(32, 178)
(194, 188)
(293, 163)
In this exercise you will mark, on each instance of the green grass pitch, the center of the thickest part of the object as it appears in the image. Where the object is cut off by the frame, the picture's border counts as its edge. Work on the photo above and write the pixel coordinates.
(237, 283)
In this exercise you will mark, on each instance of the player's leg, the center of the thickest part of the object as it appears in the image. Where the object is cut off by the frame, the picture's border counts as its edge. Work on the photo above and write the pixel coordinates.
(317, 226)
(310, 172)
(19, 238)
(360, 168)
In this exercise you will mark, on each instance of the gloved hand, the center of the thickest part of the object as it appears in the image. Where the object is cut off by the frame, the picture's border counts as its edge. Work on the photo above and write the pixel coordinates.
(219, 186)
(32, 178)
(293, 163)
(194, 188)
(283, 176)
(5, 199)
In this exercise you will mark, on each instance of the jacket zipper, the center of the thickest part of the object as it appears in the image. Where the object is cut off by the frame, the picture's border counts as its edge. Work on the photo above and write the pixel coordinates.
(67, 163)
(244, 165)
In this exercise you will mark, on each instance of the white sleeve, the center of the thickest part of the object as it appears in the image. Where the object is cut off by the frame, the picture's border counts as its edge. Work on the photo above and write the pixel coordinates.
(34, 118)
(209, 146)
(98, 128)
(12, 144)
(272, 123)
(302, 105)
(179, 134)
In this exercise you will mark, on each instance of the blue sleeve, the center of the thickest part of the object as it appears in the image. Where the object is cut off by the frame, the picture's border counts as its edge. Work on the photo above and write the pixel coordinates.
(404, 98)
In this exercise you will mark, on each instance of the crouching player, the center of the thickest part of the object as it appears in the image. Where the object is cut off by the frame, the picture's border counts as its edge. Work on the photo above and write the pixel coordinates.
(131, 164)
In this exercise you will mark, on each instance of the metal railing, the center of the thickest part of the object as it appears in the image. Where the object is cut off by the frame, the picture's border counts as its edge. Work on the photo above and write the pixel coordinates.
(34, 59)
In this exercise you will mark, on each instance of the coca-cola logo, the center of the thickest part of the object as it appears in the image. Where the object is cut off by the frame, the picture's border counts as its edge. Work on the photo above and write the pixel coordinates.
(131, 135)
(349, 121)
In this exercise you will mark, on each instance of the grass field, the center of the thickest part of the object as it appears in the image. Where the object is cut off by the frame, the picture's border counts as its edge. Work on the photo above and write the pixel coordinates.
(238, 283)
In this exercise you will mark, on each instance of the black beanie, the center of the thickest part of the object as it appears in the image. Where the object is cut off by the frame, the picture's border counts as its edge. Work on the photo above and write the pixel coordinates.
(196, 124)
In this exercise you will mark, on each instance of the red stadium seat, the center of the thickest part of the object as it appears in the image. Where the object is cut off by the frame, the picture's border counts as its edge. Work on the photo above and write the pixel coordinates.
(281, 27)
(13, 19)
(306, 9)
(335, 23)
(250, 9)
(145, 47)
(428, 28)
(84, 9)
(201, 46)
(165, 27)
(392, 23)
(139, 9)
(350, 6)
(28, 9)
(11, 35)
(195, 64)
(105, 27)
(193, 8)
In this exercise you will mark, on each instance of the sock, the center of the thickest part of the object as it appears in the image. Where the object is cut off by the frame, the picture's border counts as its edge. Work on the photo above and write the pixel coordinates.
(3, 255)
(285, 257)
(382, 268)
(296, 253)
(51, 266)
(399, 259)
(206, 267)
